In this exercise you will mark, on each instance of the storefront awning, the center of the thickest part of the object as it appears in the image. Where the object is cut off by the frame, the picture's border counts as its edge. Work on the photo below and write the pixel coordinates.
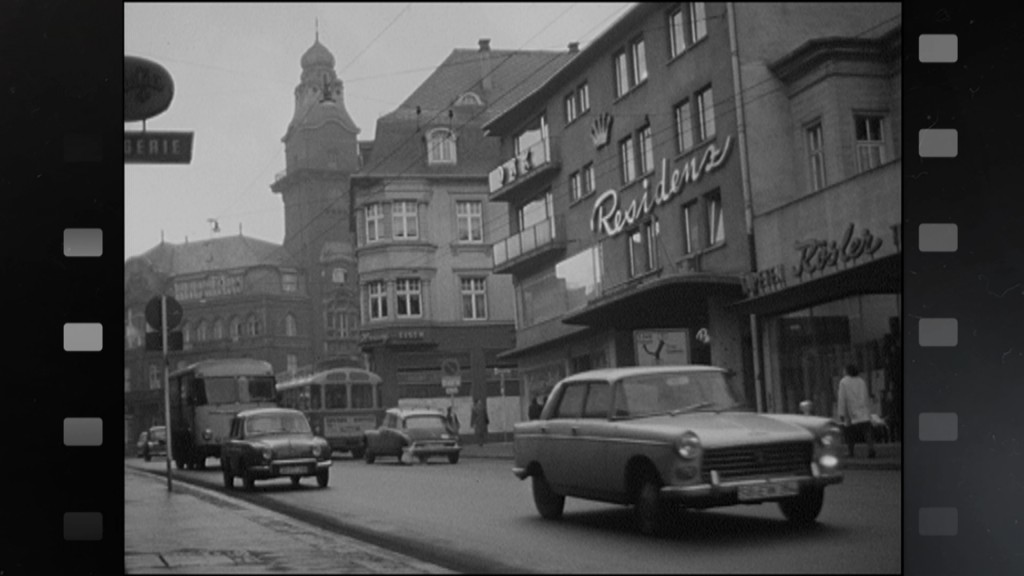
(537, 346)
(659, 303)
(882, 276)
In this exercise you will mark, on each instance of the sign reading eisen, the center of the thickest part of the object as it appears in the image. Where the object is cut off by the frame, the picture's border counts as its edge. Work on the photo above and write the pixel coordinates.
(610, 219)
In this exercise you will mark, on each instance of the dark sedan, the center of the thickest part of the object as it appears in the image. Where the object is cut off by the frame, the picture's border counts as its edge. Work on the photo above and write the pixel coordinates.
(273, 443)
(408, 433)
(152, 442)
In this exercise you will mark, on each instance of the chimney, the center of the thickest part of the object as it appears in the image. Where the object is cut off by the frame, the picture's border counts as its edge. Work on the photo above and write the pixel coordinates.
(574, 47)
(485, 64)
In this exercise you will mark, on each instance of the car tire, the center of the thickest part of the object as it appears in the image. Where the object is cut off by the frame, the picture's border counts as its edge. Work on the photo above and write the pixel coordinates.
(453, 458)
(649, 511)
(803, 509)
(229, 480)
(248, 480)
(322, 478)
(549, 504)
(295, 481)
(369, 457)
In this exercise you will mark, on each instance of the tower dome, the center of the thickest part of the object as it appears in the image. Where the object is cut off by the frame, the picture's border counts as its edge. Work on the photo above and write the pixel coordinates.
(317, 55)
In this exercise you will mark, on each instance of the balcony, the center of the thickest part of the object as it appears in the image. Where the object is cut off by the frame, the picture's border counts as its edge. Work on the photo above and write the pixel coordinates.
(542, 239)
(522, 174)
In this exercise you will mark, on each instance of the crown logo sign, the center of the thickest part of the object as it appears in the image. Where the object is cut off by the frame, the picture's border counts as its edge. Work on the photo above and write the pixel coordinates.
(600, 129)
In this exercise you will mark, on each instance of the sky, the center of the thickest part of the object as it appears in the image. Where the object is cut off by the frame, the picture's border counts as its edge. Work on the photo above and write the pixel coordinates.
(235, 68)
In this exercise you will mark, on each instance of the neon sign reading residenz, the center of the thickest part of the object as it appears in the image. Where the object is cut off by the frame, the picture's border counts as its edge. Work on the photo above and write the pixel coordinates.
(608, 217)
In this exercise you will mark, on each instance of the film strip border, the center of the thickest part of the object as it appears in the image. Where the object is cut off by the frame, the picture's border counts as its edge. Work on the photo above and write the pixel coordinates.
(963, 472)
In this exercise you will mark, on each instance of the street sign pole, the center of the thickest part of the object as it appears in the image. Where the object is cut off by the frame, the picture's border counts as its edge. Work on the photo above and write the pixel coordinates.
(167, 390)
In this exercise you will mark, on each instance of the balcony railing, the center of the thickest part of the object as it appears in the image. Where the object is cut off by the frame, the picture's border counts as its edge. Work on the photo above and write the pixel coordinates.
(535, 240)
(539, 159)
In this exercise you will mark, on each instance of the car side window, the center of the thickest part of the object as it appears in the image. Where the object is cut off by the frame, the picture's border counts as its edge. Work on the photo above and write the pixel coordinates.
(571, 403)
(598, 398)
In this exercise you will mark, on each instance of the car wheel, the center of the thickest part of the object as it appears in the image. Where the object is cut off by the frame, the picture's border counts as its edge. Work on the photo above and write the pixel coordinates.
(453, 458)
(369, 457)
(295, 481)
(803, 509)
(322, 478)
(549, 504)
(248, 480)
(229, 480)
(648, 509)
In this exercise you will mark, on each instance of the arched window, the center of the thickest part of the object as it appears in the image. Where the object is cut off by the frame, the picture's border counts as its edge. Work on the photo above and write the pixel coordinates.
(253, 327)
(201, 331)
(236, 328)
(441, 146)
(290, 328)
(469, 99)
(218, 329)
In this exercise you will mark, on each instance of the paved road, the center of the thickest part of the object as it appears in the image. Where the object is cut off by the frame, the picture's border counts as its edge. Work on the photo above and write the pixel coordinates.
(475, 516)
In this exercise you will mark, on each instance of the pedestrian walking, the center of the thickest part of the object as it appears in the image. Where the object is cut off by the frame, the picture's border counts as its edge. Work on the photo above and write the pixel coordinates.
(855, 410)
(479, 421)
(535, 408)
(452, 421)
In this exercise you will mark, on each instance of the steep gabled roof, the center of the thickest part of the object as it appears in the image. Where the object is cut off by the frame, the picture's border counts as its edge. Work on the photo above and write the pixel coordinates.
(227, 253)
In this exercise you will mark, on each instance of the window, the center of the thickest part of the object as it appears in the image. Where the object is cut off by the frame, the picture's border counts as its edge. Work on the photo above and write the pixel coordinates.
(201, 332)
(293, 363)
(571, 111)
(336, 396)
(289, 282)
(378, 300)
(290, 328)
(441, 146)
(404, 221)
(236, 328)
(630, 67)
(340, 322)
(589, 185)
(339, 275)
(646, 150)
(716, 218)
(538, 210)
(598, 399)
(470, 221)
(816, 156)
(575, 186)
(218, 329)
(705, 114)
(584, 97)
(474, 298)
(571, 404)
(374, 220)
(684, 126)
(533, 140)
(626, 160)
(362, 395)
(643, 248)
(469, 99)
(686, 25)
(870, 141)
(127, 379)
(254, 327)
(154, 377)
(689, 228)
(407, 296)
(186, 335)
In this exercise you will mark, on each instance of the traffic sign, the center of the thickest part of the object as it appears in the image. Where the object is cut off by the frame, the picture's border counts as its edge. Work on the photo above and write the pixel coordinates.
(158, 147)
(451, 382)
(153, 313)
(450, 367)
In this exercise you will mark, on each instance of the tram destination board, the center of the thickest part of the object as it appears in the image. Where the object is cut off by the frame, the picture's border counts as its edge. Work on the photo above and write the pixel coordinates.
(158, 147)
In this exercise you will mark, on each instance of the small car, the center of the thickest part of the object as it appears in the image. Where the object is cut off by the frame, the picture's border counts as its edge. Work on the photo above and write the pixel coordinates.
(152, 442)
(663, 437)
(408, 433)
(267, 443)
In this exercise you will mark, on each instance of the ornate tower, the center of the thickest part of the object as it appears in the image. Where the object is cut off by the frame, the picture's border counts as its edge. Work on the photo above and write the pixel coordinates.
(321, 153)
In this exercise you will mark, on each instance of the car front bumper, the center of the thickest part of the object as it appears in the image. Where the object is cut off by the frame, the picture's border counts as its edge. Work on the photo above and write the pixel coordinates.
(729, 491)
(418, 450)
(283, 467)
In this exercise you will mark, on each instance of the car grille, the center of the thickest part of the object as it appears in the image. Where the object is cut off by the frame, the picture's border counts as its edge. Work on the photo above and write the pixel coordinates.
(770, 459)
(293, 452)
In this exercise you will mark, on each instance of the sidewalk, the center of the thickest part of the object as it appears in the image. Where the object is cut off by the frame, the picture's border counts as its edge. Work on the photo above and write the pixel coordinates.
(888, 456)
(196, 531)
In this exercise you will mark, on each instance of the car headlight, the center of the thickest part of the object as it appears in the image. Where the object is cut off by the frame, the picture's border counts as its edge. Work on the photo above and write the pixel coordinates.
(317, 450)
(829, 437)
(268, 454)
(688, 446)
(207, 434)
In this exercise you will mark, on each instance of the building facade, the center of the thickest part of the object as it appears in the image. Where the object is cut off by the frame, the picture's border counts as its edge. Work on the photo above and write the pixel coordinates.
(432, 310)
(242, 297)
(643, 178)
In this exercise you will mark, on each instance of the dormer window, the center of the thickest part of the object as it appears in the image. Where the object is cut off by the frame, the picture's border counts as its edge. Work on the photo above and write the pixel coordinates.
(469, 99)
(441, 146)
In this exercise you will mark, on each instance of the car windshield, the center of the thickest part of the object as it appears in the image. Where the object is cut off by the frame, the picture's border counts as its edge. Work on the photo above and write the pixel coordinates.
(672, 393)
(277, 424)
(429, 422)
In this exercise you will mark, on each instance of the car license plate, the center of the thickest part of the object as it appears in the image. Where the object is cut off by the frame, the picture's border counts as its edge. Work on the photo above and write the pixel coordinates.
(769, 490)
(294, 470)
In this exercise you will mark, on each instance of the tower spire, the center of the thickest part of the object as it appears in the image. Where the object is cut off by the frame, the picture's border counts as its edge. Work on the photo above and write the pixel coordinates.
(317, 29)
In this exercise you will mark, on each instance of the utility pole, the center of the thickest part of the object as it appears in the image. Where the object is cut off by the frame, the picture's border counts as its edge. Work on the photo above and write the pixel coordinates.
(167, 390)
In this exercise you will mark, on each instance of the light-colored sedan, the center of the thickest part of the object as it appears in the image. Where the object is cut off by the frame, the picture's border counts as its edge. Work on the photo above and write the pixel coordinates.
(671, 436)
